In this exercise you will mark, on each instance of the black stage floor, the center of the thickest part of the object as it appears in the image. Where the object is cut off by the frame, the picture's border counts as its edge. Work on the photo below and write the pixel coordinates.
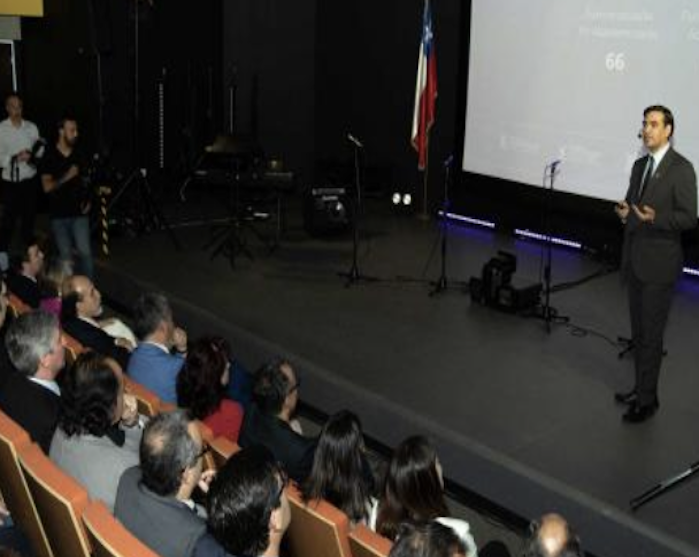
(522, 417)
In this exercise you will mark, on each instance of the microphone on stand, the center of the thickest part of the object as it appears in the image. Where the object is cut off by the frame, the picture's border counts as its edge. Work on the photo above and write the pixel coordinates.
(448, 161)
(554, 165)
(355, 141)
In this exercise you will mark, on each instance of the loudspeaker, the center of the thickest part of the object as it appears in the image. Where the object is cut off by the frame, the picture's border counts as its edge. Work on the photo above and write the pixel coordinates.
(326, 211)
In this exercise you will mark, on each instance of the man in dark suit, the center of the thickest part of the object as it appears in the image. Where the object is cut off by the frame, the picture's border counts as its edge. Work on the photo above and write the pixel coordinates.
(268, 420)
(661, 202)
(22, 280)
(154, 499)
(81, 305)
(29, 394)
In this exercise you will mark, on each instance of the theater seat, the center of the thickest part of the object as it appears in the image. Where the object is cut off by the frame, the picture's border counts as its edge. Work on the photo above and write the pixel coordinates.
(16, 306)
(207, 436)
(148, 402)
(222, 449)
(317, 529)
(60, 501)
(72, 347)
(14, 488)
(367, 543)
(108, 536)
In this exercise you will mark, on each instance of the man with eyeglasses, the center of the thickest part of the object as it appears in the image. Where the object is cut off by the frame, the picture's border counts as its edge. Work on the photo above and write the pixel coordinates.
(269, 420)
(154, 500)
(248, 511)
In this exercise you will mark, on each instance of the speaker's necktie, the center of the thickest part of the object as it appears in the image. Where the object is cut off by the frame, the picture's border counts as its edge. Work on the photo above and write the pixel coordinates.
(646, 177)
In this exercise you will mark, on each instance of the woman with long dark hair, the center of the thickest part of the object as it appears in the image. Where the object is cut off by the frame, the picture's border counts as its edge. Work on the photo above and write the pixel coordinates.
(201, 387)
(413, 493)
(97, 437)
(340, 473)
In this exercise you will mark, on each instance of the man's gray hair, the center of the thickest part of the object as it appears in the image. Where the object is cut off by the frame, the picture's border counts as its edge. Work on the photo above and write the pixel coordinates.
(151, 309)
(167, 450)
(30, 338)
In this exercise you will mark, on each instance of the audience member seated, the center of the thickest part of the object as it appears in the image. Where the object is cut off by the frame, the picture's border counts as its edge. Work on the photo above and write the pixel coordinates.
(89, 443)
(31, 396)
(268, 419)
(152, 364)
(23, 278)
(431, 539)
(551, 536)
(81, 306)
(154, 499)
(248, 512)
(340, 472)
(51, 281)
(5, 319)
(414, 492)
(201, 388)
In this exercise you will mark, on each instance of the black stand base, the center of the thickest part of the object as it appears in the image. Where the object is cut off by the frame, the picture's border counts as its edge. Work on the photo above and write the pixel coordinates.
(148, 213)
(627, 346)
(354, 276)
(663, 487)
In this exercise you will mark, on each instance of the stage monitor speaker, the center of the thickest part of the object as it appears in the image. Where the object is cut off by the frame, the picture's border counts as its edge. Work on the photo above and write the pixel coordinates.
(326, 211)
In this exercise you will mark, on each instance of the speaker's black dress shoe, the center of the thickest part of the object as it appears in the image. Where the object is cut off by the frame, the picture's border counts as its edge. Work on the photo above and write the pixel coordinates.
(640, 413)
(626, 398)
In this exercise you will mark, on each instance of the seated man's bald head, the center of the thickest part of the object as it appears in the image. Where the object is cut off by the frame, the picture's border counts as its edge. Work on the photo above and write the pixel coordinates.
(551, 536)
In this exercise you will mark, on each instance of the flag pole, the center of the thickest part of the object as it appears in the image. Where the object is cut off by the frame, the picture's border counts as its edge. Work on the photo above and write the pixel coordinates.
(424, 215)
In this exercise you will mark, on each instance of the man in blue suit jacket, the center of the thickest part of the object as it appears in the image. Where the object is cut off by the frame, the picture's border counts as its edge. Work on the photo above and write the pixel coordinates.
(153, 364)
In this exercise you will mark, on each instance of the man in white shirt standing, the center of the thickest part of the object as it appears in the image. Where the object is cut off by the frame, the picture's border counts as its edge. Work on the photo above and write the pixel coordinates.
(18, 139)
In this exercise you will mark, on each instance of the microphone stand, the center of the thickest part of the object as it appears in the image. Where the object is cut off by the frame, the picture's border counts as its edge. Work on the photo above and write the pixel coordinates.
(663, 486)
(549, 313)
(354, 275)
(441, 284)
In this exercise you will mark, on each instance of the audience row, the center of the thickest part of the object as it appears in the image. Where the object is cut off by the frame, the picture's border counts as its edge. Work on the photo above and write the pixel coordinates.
(150, 476)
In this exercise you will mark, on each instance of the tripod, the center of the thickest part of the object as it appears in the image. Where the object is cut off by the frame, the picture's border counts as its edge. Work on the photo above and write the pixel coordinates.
(149, 214)
(354, 275)
(230, 240)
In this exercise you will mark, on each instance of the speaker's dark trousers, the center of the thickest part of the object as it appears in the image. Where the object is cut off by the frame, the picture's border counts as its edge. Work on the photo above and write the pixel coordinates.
(649, 304)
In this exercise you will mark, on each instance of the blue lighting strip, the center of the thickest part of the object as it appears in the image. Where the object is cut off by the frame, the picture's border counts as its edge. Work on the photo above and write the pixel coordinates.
(536, 236)
(543, 238)
(468, 220)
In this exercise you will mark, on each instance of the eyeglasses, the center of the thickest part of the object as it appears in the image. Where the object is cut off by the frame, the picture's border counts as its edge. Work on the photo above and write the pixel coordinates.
(295, 386)
(204, 451)
(283, 481)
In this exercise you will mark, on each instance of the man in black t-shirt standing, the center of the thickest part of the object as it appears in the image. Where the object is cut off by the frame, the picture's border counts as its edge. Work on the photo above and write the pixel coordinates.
(68, 199)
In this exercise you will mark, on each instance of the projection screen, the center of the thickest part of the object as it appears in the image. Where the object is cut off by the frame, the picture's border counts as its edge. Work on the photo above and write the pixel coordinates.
(568, 80)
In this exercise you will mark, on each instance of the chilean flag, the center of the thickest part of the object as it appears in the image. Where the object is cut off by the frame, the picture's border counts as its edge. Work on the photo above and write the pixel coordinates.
(425, 90)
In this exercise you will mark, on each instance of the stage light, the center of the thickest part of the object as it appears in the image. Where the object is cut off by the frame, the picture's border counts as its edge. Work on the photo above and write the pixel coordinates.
(407, 199)
(396, 198)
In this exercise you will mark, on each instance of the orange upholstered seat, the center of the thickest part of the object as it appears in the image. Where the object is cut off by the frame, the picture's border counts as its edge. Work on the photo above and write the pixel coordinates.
(148, 402)
(14, 488)
(60, 501)
(73, 348)
(317, 529)
(108, 536)
(17, 306)
(222, 449)
(367, 543)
